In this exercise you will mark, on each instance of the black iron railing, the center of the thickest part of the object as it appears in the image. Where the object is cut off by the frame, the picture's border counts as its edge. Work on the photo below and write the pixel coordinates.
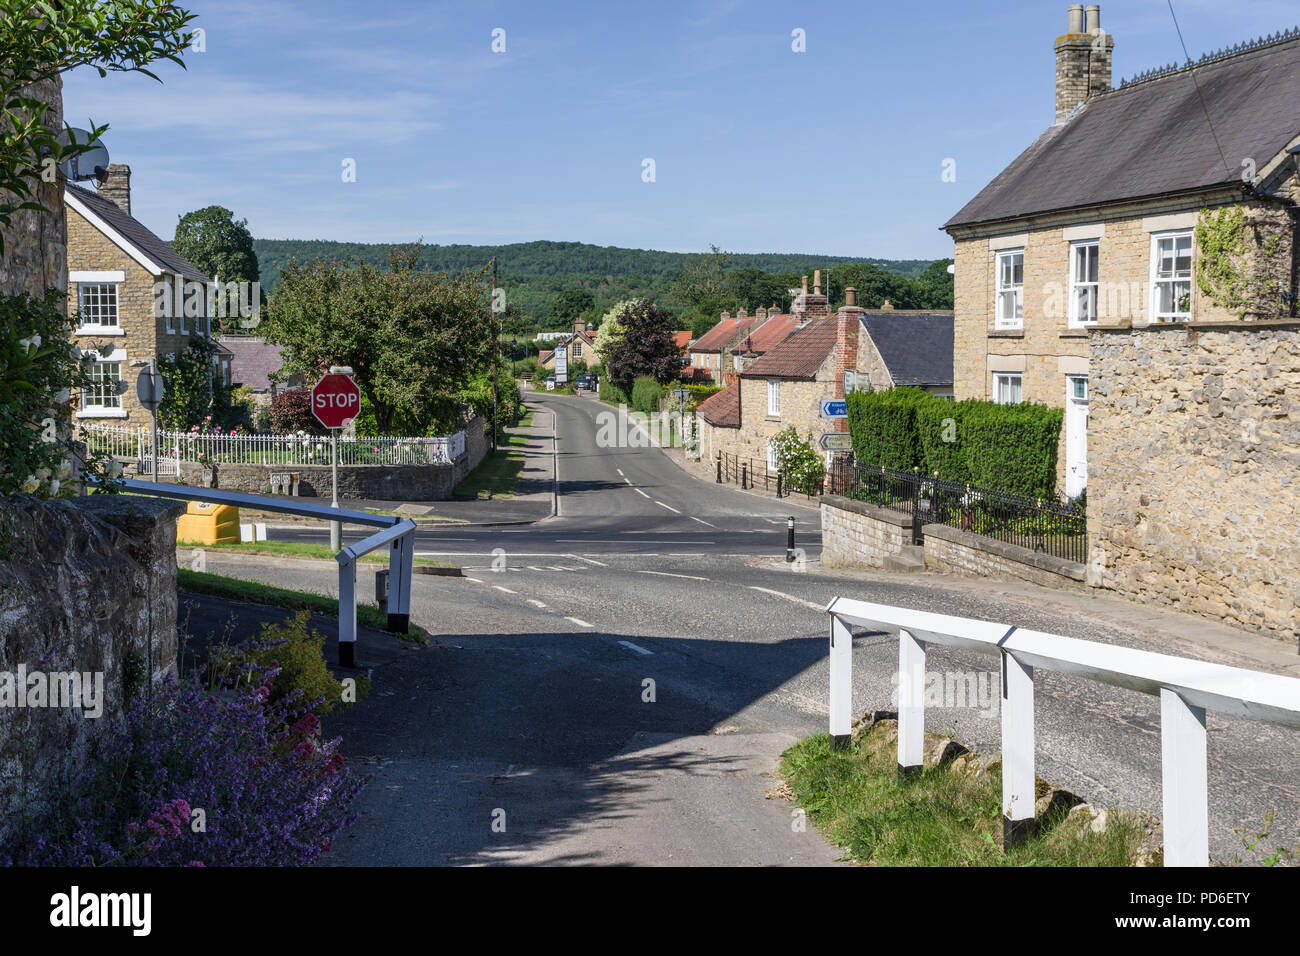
(1050, 525)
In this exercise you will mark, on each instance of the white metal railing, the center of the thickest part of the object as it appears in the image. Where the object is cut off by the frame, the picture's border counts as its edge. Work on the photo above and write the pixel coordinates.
(1186, 688)
(132, 441)
(397, 533)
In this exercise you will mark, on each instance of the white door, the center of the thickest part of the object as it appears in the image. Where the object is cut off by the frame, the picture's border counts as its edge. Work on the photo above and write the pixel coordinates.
(1076, 434)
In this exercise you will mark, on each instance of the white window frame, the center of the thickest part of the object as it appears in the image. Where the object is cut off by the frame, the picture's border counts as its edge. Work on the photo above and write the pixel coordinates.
(102, 280)
(1016, 292)
(577, 349)
(999, 378)
(1156, 282)
(772, 465)
(116, 357)
(774, 398)
(1077, 284)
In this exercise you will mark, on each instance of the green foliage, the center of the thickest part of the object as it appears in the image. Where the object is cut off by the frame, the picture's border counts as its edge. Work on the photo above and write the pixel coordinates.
(38, 370)
(291, 413)
(646, 393)
(214, 241)
(292, 647)
(698, 393)
(415, 340)
(607, 391)
(39, 42)
(1240, 263)
(1010, 448)
(193, 393)
(800, 464)
(478, 396)
(570, 304)
(645, 346)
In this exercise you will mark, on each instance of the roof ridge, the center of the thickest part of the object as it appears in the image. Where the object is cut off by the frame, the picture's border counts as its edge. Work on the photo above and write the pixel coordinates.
(1249, 46)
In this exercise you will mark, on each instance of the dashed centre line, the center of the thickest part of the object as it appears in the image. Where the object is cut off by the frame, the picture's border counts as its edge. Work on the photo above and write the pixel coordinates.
(507, 590)
(640, 492)
(636, 647)
(669, 507)
(579, 621)
(669, 574)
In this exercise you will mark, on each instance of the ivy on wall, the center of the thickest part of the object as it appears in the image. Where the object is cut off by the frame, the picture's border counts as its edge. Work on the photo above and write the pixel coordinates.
(1243, 265)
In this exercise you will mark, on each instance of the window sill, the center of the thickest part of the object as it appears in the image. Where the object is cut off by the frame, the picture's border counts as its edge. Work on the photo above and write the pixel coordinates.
(102, 413)
(1076, 332)
(1006, 333)
(773, 418)
(98, 330)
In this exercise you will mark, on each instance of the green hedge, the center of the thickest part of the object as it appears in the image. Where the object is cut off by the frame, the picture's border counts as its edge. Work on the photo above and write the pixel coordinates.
(609, 392)
(700, 392)
(1007, 447)
(646, 393)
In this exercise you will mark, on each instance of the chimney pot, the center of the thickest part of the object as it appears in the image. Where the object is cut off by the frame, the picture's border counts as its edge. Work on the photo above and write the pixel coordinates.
(850, 296)
(805, 285)
(817, 282)
(116, 187)
(1075, 22)
(1092, 18)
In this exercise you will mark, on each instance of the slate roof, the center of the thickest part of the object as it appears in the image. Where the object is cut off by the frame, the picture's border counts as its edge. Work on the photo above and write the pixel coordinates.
(800, 355)
(722, 408)
(725, 334)
(1151, 138)
(916, 347)
(135, 232)
(253, 360)
(775, 330)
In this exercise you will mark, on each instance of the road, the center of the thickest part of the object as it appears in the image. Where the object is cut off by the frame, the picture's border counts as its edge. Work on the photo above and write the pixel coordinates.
(531, 710)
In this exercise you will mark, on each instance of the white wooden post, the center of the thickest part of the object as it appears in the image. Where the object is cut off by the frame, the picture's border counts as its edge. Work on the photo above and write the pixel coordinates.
(841, 664)
(348, 614)
(401, 558)
(911, 704)
(1017, 750)
(1185, 783)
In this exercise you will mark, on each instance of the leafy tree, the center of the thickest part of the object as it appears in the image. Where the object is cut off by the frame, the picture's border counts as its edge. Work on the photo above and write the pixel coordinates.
(611, 327)
(214, 241)
(413, 339)
(755, 289)
(191, 393)
(39, 42)
(569, 304)
(645, 347)
(934, 286)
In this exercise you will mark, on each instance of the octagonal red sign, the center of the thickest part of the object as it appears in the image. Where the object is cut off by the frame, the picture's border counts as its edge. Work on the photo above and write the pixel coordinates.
(335, 400)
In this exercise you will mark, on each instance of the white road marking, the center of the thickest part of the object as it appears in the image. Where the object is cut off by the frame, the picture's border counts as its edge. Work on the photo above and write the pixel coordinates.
(475, 580)
(599, 564)
(619, 470)
(669, 507)
(669, 574)
(553, 567)
(534, 602)
(507, 590)
(820, 608)
(627, 480)
(702, 521)
(638, 649)
(640, 492)
(579, 621)
(533, 567)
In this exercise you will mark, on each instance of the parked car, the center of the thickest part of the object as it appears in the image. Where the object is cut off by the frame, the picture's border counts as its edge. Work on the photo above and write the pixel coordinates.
(586, 382)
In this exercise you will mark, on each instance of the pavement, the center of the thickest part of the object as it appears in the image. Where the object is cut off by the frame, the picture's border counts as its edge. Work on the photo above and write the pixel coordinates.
(614, 684)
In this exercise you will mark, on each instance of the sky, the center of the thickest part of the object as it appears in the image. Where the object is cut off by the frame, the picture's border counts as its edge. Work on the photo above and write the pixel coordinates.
(836, 150)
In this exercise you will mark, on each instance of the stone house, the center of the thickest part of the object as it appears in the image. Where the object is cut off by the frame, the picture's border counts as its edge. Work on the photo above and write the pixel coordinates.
(1071, 237)
(1149, 288)
(135, 297)
(581, 346)
(711, 351)
(786, 385)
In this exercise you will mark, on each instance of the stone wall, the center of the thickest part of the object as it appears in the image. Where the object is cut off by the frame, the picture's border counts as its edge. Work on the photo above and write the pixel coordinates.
(376, 482)
(85, 584)
(856, 534)
(953, 551)
(1194, 468)
(35, 243)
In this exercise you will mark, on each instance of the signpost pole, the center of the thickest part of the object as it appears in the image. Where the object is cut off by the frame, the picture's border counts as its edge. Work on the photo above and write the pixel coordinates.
(336, 529)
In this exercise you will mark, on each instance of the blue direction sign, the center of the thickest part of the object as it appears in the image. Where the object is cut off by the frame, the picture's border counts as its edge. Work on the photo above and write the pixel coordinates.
(835, 408)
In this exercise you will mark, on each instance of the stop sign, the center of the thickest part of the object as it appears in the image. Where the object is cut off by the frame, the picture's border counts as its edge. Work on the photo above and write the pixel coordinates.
(335, 400)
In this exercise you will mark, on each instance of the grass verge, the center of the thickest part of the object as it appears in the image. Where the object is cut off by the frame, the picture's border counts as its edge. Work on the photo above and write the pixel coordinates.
(254, 592)
(943, 817)
(301, 549)
(497, 475)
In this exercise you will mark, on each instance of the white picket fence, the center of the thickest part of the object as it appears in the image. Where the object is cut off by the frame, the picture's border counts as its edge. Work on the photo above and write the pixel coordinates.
(1187, 689)
(132, 442)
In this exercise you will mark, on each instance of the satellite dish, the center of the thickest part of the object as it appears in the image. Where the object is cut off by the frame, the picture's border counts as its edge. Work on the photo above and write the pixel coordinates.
(92, 164)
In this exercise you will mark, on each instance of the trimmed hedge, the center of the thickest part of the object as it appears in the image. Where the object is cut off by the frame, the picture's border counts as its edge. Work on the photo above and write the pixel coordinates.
(700, 392)
(609, 392)
(1011, 448)
(646, 393)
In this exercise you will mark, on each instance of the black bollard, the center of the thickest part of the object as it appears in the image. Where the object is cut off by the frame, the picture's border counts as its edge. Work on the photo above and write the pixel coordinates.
(744, 474)
(789, 541)
(719, 467)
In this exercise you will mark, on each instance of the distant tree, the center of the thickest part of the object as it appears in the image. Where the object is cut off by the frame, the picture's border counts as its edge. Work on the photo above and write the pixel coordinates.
(755, 289)
(645, 347)
(569, 304)
(935, 286)
(414, 339)
(703, 278)
(214, 241)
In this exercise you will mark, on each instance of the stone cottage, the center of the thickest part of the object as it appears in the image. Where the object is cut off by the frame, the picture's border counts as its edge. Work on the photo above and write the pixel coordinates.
(135, 297)
(1137, 266)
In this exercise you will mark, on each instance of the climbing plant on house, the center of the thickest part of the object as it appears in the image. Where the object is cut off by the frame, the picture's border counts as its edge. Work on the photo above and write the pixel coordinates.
(1243, 263)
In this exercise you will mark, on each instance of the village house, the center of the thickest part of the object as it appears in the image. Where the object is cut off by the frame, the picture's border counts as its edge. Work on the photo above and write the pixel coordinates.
(786, 385)
(1137, 266)
(120, 277)
(580, 345)
(711, 351)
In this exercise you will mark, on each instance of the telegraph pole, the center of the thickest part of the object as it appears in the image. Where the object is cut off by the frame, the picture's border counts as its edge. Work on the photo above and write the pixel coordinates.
(496, 351)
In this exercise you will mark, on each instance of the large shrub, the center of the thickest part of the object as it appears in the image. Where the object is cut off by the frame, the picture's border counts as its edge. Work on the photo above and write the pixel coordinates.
(609, 392)
(800, 464)
(1006, 447)
(646, 393)
(291, 413)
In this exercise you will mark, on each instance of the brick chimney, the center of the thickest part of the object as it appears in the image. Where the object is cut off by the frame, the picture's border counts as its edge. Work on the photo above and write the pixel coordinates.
(579, 325)
(846, 348)
(116, 187)
(1083, 59)
(811, 305)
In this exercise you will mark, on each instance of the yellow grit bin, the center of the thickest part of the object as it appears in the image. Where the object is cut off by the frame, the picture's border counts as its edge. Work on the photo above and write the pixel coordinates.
(206, 522)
